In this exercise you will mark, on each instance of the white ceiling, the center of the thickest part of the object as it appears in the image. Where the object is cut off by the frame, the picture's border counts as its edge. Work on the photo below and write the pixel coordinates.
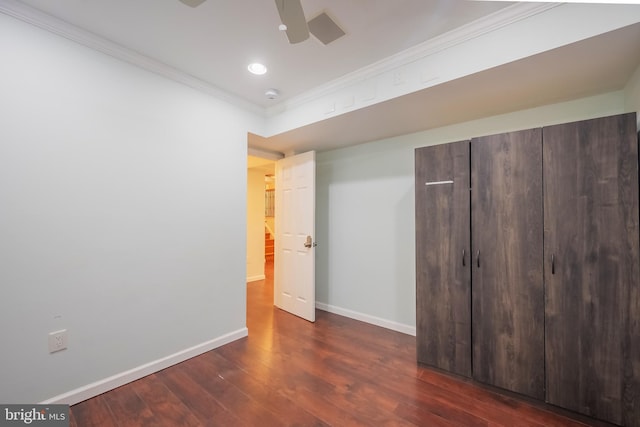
(216, 41)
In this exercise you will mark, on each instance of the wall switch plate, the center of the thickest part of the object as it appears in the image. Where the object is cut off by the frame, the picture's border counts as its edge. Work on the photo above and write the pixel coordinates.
(58, 340)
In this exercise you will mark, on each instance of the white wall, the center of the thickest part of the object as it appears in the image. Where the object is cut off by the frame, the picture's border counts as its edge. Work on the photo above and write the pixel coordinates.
(365, 260)
(632, 93)
(255, 225)
(113, 224)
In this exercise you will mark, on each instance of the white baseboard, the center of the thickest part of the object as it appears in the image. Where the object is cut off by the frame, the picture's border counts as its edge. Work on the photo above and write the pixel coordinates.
(256, 278)
(91, 390)
(384, 323)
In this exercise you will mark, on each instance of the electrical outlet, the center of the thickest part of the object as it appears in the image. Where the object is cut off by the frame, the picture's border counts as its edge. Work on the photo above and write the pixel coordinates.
(58, 340)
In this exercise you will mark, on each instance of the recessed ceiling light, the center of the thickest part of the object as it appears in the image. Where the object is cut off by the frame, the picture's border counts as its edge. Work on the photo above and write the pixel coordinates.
(257, 68)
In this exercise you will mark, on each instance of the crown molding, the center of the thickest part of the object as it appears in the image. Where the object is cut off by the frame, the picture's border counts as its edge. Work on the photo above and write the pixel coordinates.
(30, 15)
(502, 18)
(477, 28)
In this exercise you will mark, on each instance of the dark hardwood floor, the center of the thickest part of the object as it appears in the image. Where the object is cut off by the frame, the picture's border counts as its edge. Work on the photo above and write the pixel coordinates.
(289, 372)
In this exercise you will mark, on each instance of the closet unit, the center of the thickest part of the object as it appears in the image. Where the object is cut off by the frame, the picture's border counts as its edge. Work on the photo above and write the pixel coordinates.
(508, 296)
(444, 271)
(591, 271)
(548, 303)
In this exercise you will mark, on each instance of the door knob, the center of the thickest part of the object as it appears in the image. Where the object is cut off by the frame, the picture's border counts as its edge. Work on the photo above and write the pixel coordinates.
(309, 243)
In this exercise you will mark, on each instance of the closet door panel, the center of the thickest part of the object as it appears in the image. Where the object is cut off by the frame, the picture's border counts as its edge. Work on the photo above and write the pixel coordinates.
(507, 296)
(591, 274)
(443, 274)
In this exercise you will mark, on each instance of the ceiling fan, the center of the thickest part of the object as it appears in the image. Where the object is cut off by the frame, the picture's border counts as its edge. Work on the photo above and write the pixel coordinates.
(291, 15)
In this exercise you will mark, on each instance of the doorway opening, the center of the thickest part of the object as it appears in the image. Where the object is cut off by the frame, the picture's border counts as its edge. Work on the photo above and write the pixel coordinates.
(260, 217)
(294, 230)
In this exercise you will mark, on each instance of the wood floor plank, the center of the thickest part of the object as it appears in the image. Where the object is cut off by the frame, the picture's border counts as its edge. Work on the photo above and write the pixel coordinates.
(504, 408)
(94, 413)
(167, 409)
(418, 414)
(409, 391)
(345, 391)
(353, 386)
(128, 408)
(268, 394)
(290, 372)
(72, 420)
(210, 412)
(245, 407)
(310, 392)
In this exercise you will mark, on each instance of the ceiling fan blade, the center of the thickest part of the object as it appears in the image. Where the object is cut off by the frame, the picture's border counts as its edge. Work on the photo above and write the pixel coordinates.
(292, 15)
(193, 3)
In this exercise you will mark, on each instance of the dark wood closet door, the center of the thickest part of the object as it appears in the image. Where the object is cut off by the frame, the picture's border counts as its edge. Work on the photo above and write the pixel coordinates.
(443, 275)
(507, 297)
(591, 271)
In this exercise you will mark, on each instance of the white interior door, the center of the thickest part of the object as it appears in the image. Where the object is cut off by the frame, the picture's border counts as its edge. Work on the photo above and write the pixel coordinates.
(294, 268)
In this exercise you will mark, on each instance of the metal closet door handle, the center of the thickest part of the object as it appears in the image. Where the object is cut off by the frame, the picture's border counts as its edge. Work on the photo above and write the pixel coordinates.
(478, 258)
(463, 261)
(553, 263)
